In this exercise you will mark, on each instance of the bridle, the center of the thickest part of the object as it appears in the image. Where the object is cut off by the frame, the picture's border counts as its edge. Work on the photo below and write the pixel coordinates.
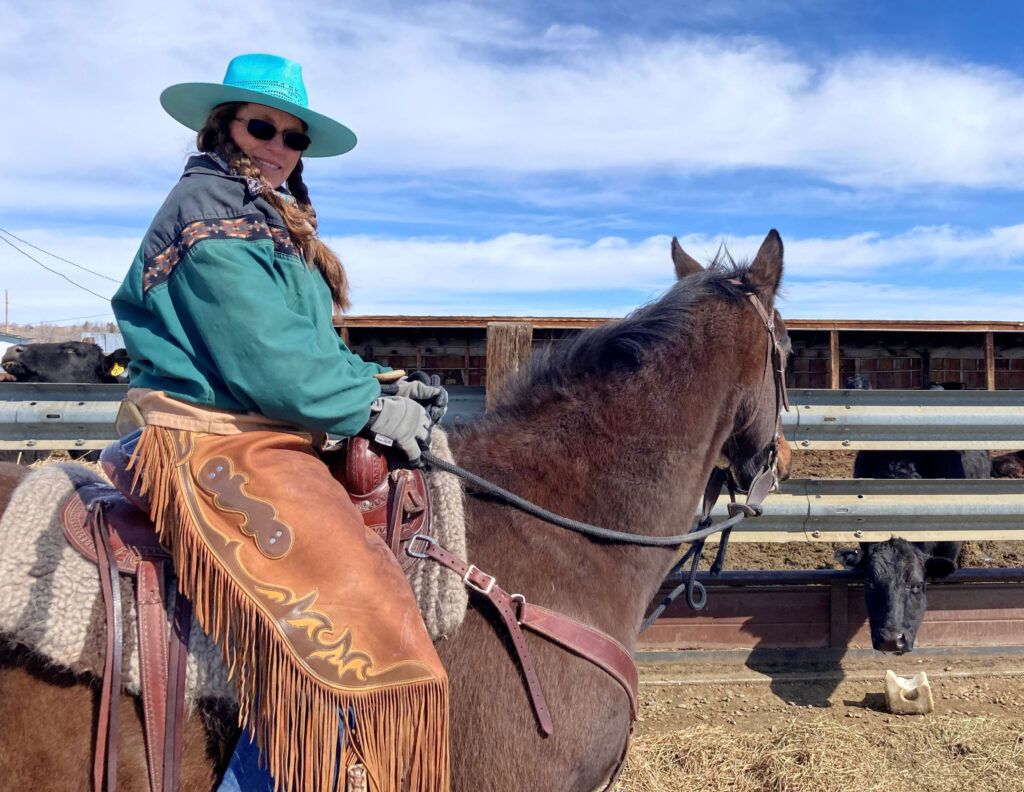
(776, 359)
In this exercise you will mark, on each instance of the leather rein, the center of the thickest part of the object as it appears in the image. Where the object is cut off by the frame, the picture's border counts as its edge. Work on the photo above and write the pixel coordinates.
(576, 637)
(765, 481)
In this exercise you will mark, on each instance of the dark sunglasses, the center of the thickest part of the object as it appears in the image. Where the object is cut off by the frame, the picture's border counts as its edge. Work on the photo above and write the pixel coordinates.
(264, 130)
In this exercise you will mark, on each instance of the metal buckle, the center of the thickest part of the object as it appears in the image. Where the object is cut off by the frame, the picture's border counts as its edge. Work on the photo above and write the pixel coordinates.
(428, 539)
(518, 601)
(481, 589)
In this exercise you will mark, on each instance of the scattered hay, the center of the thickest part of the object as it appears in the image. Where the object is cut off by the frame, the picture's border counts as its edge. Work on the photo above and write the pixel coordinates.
(63, 457)
(933, 755)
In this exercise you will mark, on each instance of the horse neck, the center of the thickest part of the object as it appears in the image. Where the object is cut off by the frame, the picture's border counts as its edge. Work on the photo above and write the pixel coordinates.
(636, 463)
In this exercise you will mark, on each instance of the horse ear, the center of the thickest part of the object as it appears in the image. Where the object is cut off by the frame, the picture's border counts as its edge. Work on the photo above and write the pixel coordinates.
(685, 265)
(766, 270)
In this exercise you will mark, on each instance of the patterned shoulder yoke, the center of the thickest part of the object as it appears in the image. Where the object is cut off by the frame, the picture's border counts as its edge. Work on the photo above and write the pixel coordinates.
(158, 268)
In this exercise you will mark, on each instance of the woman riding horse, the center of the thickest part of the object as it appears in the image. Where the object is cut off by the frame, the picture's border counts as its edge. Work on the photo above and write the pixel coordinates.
(619, 428)
(238, 377)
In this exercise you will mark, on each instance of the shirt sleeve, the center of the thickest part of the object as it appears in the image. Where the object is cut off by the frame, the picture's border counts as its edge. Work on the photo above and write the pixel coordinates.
(243, 315)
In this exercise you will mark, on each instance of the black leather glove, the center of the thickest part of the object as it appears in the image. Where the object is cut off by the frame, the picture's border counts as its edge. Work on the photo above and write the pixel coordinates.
(423, 389)
(400, 422)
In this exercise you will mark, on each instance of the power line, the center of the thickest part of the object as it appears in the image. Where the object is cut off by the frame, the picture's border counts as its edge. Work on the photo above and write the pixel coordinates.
(54, 255)
(55, 272)
(66, 319)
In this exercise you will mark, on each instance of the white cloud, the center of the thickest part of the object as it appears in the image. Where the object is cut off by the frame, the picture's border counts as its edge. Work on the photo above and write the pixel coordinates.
(521, 265)
(490, 108)
(935, 248)
(858, 276)
(439, 87)
(843, 299)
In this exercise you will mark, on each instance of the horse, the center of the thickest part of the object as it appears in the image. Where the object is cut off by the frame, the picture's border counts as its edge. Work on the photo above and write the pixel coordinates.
(619, 428)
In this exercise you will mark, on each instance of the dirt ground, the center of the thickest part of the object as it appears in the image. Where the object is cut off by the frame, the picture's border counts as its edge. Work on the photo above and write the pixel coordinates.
(730, 708)
(818, 555)
(756, 695)
(727, 721)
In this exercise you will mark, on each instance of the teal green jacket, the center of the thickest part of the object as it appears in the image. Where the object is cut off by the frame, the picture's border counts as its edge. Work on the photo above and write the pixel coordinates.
(220, 309)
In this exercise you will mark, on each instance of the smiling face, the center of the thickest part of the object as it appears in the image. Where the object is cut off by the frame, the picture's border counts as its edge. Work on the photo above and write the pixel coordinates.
(275, 160)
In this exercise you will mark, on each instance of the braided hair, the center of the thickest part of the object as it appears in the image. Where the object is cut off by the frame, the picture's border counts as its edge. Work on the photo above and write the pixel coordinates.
(299, 216)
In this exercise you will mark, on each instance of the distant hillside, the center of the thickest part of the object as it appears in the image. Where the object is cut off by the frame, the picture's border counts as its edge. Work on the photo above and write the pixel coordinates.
(49, 332)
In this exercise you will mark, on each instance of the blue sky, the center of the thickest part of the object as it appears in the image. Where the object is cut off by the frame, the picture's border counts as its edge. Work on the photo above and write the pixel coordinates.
(535, 158)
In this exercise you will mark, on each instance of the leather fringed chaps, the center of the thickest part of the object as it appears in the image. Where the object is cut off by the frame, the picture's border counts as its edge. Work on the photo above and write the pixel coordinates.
(314, 616)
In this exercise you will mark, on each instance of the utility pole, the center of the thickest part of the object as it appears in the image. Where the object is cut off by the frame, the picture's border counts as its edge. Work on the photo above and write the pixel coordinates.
(7, 304)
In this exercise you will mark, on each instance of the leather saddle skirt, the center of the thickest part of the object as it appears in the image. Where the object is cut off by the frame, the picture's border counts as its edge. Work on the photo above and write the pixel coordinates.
(132, 536)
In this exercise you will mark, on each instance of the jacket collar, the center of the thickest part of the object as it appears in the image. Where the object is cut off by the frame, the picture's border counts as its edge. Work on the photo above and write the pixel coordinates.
(211, 164)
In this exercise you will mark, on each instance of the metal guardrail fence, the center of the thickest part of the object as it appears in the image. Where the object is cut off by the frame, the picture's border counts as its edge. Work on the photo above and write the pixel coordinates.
(52, 417)
(45, 417)
(905, 420)
(871, 510)
(41, 417)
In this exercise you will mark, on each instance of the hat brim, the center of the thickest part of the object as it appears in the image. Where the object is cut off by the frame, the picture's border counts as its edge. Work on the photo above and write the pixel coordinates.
(191, 103)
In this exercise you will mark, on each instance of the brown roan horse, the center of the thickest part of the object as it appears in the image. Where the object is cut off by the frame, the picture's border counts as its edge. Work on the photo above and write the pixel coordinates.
(619, 428)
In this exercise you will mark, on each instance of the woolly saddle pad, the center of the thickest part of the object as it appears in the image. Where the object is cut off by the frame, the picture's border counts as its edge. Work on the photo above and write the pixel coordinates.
(50, 598)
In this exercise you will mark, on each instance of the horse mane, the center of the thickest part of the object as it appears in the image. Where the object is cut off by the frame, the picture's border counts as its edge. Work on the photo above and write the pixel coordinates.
(626, 344)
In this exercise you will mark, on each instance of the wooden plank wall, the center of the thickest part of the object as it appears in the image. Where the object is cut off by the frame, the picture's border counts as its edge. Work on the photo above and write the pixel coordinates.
(821, 617)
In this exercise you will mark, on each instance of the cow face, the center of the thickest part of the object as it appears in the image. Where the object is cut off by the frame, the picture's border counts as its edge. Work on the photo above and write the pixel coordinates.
(67, 361)
(895, 577)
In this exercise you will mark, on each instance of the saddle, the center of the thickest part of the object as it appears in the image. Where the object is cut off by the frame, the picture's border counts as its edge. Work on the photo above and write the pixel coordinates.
(110, 526)
(395, 505)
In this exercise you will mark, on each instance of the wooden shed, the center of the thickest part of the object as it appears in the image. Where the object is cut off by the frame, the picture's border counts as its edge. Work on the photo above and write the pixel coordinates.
(890, 354)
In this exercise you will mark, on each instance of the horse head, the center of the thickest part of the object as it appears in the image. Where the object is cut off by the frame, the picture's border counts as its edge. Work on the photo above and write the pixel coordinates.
(756, 445)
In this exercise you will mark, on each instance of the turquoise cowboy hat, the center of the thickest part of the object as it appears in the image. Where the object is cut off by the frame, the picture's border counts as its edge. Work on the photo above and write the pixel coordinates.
(267, 80)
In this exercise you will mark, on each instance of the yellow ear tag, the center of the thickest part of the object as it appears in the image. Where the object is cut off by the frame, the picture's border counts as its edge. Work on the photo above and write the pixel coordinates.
(116, 370)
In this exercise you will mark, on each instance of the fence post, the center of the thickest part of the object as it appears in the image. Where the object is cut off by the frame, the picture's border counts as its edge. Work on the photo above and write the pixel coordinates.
(990, 361)
(833, 359)
(508, 347)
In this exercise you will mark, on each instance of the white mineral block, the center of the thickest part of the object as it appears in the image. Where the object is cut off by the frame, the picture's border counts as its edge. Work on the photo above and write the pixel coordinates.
(908, 696)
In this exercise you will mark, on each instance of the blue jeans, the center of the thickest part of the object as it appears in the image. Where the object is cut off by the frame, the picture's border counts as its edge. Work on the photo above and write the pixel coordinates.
(244, 773)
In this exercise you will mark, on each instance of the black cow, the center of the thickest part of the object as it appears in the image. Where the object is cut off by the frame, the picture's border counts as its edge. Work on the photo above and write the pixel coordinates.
(896, 572)
(65, 361)
(922, 464)
(857, 382)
